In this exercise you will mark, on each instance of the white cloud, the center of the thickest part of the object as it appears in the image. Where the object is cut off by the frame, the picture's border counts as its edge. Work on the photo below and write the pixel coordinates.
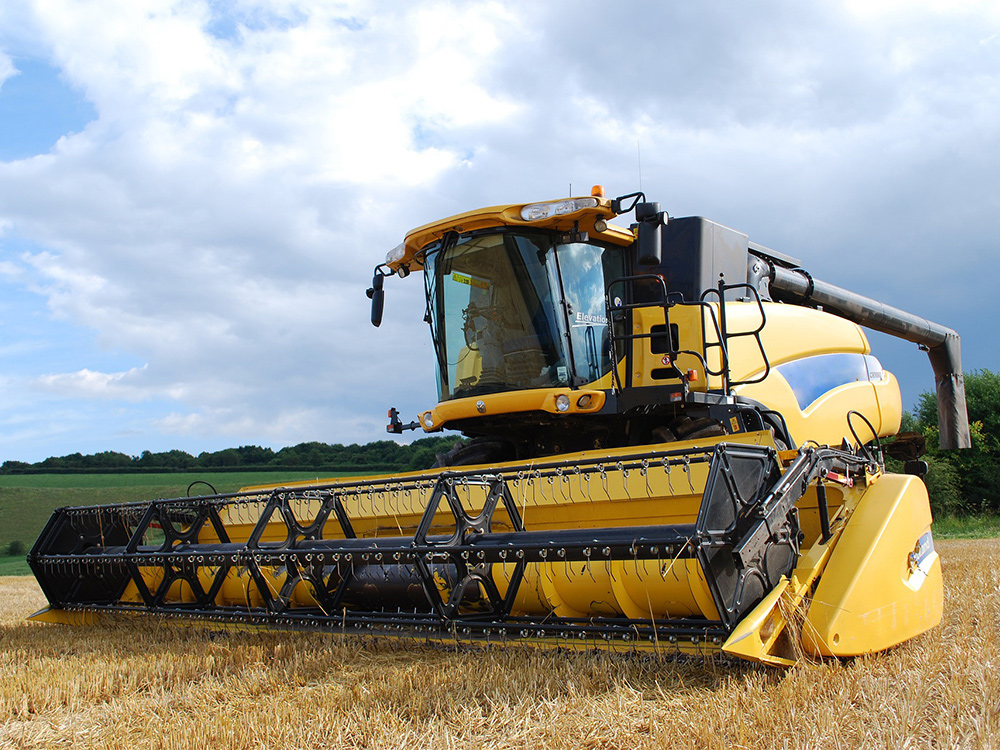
(220, 217)
(88, 384)
(251, 163)
(872, 10)
(7, 69)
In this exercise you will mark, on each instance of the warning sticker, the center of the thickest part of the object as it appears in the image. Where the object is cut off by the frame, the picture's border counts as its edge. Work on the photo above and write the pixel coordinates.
(461, 278)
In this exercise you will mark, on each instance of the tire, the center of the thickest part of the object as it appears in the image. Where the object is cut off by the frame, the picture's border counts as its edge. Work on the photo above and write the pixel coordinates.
(700, 428)
(476, 451)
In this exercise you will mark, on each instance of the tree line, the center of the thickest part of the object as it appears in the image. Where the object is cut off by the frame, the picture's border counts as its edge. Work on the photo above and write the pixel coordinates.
(967, 481)
(381, 455)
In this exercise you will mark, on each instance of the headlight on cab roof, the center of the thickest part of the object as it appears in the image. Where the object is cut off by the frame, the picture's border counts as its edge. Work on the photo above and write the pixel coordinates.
(536, 211)
(396, 254)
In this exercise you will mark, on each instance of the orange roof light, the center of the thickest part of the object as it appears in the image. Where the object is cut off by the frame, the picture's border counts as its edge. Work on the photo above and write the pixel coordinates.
(597, 191)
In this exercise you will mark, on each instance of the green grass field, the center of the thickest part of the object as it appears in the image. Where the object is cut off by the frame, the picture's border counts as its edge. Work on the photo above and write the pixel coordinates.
(967, 527)
(14, 566)
(27, 501)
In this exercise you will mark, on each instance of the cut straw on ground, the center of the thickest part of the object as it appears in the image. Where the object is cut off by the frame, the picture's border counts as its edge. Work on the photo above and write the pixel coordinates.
(151, 684)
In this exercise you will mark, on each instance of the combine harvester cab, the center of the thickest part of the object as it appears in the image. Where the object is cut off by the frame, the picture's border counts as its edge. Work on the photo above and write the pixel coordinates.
(669, 448)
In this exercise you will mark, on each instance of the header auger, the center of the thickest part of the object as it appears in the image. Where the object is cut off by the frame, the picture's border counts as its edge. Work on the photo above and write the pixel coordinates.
(668, 447)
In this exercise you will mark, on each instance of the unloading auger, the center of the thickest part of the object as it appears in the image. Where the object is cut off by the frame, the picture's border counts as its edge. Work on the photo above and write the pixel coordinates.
(668, 448)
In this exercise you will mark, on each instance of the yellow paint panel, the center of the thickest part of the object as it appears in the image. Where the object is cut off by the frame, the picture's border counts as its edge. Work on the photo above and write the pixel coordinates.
(64, 617)
(690, 322)
(881, 587)
(754, 636)
(512, 402)
(793, 333)
(790, 332)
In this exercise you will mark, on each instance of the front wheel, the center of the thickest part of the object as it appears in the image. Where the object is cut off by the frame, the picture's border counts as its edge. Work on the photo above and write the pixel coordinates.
(477, 451)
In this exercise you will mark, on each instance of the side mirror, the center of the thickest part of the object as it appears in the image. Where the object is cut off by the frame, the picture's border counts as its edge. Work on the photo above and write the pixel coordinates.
(377, 296)
(650, 241)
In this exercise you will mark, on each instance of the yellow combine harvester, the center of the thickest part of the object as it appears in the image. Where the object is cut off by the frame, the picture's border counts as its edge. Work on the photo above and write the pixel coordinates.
(672, 444)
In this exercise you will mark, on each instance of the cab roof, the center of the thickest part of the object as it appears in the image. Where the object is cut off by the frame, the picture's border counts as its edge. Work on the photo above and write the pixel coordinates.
(586, 213)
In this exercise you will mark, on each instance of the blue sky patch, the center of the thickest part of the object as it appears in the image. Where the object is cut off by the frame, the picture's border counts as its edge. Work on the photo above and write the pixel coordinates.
(37, 108)
(33, 341)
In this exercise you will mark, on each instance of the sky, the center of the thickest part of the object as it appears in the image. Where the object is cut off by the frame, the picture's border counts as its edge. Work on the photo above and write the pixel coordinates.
(194, 193)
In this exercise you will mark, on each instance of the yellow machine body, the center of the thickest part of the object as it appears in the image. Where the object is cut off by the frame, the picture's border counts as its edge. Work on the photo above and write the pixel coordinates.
(648, 470)
(792, 335)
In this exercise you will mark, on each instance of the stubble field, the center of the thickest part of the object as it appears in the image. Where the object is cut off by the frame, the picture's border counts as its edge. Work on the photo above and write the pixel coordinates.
(154, 685)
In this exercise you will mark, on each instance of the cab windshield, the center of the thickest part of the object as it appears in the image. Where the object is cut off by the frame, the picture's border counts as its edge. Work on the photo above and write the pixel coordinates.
(518, 310)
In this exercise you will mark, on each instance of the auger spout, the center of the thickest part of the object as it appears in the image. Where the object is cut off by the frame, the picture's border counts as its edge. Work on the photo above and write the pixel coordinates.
(943, 345)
